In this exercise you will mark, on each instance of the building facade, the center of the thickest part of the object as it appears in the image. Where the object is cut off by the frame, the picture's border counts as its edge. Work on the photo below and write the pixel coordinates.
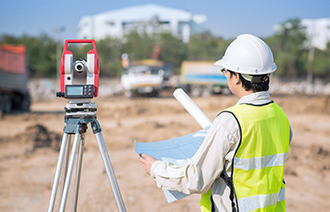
(150, 18)
(318, 31)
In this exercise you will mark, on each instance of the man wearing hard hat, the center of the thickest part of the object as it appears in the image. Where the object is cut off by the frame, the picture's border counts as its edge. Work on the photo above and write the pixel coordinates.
(239, 166)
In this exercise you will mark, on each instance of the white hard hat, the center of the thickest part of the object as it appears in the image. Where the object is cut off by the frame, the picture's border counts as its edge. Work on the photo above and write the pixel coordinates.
(248, 54)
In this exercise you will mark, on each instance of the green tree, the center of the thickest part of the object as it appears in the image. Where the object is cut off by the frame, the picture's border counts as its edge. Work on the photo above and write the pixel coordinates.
(138, 45)
(321, 63)
(205, 47)
(173, 50)
(288, 46)
(109, 51)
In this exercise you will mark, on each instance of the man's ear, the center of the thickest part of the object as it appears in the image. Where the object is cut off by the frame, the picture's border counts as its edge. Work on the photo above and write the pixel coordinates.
(237, 79)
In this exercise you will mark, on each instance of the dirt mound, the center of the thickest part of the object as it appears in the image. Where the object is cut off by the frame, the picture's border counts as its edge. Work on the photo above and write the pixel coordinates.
(315, 158)
(34, 137)
(304, 104)
(40, 137)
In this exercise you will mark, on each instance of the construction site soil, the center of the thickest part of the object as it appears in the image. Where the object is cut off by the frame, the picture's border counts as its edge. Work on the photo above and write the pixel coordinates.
(30, 142)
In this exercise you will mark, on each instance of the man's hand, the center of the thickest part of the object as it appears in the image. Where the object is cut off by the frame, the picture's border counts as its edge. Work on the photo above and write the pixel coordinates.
(147, 161)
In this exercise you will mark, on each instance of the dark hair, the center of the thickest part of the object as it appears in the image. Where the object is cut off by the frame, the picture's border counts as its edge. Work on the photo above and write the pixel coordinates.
(263, 85)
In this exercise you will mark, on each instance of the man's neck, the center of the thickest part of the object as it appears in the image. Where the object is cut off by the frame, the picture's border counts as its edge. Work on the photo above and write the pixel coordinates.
(242, 92)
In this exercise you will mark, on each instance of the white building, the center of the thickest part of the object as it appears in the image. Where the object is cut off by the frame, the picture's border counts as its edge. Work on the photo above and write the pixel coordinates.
(149, 17)
(317, 31)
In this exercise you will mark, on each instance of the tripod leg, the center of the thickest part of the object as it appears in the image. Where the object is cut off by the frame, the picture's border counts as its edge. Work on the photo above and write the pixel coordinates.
(78, 172)
(110, 172)
(65, 163)
(57, 172)
(69, 174)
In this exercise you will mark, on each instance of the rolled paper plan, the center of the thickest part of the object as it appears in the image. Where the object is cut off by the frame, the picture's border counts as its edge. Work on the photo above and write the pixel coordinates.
(192, 108)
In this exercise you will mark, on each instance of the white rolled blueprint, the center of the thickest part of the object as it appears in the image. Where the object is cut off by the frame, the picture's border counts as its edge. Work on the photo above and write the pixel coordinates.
(192, 108)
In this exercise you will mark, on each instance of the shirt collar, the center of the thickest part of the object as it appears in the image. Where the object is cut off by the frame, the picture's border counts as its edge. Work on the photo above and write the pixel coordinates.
(257, 98)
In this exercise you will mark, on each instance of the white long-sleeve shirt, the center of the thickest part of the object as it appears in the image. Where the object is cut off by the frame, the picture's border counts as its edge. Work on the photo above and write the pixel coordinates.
(214, 155)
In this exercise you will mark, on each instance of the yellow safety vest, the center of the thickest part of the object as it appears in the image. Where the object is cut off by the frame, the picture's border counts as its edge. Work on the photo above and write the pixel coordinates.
(257, 171)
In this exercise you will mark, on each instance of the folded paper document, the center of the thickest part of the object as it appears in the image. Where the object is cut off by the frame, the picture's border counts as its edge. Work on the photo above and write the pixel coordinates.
(177, 151)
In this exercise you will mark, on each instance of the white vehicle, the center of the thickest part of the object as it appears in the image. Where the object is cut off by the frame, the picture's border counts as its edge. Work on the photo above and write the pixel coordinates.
(148, 80)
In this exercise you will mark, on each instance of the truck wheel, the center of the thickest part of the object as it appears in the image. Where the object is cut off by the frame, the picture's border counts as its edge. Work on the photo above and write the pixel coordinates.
(2, 103)
(196, 91)
(26, 102)
(156, 93)
(7, 104)
(226, 91)
(206, 91)
(129, 94)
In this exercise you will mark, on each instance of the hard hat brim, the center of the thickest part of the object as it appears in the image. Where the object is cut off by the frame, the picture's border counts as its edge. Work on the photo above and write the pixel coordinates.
(219, 63)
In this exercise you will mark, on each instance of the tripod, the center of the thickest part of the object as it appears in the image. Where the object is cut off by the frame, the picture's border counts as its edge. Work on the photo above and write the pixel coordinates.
(78, 115)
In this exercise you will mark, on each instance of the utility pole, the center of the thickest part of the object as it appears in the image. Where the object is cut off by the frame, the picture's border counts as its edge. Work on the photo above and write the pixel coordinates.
(310, 60)
(311, 50)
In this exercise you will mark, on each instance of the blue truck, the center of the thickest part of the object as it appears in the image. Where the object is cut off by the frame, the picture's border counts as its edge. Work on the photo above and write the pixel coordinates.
(202, 78)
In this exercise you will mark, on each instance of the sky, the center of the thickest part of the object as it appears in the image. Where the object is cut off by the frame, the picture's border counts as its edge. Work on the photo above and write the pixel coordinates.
(226, 18)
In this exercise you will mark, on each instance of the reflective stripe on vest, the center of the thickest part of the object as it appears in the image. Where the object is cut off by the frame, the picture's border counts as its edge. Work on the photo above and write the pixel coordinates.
(260, 163)
(259, 160)
(260, 201)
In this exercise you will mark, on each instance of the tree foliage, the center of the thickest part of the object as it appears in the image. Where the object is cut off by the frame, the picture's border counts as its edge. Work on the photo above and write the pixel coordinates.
(109, 51)
(206, 47)
(321, 63)
(289, 44)
(173, 50)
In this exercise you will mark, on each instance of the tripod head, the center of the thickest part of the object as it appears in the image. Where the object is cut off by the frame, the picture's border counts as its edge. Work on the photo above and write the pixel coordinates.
(79, 92)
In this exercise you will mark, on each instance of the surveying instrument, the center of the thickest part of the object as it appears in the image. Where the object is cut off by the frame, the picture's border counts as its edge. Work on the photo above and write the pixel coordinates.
(79, 112)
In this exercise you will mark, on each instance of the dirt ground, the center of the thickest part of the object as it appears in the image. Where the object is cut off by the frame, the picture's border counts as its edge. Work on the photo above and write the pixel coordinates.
(29, 145)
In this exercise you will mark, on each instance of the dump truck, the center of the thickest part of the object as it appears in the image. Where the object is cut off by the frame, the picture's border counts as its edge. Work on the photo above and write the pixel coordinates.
(143, 80)
(14, 92)
(202, 78)
(145, 77)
